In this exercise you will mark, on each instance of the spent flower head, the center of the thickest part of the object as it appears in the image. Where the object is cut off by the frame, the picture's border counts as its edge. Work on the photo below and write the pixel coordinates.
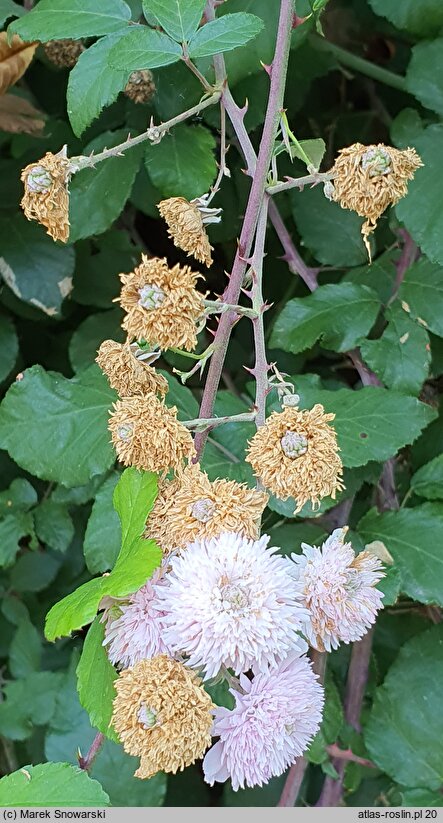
(186, 227)
(146, 434)
(368, 179)
(163, 306)
(191, 507)
(162, 715)
(46, 195)
(126, 372)
(295, 454)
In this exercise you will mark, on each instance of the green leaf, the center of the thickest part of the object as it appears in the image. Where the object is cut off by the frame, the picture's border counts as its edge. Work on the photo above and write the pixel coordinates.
(401, 357)
(424, 77)
(183, 164)
(428, 480)
(113, 252)
(422, 294)
(406, 127)
(331, 233)
(56, 428)
(53, 525)
(133, 499)
(115, 771)
(420, 797)
(143, 48)
(34, 571)
(337, 315)
(51, 784)
(80, 607)
(8, 346)
(9, 9)
(405, 727)
(93, 84)
(424, 18)
(179, 18)
(36, 270)
(420, 210)
(12, 529)
(20, 496)
(103, 533)
(25, 650)
(98, 195)
(95, 681)
(379, 275)
(412, 536)
(390, 585)
(72, 19)
(314, 149)
(371, 423)
(90, 334)
(224, 34)
(29, 702)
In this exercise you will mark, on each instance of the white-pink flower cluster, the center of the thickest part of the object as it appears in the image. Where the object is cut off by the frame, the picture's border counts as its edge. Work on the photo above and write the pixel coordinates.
(338, 590)
(231, 603)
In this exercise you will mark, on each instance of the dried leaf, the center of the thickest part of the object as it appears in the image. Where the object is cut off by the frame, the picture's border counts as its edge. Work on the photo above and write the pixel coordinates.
(14, 59)
(19, 116)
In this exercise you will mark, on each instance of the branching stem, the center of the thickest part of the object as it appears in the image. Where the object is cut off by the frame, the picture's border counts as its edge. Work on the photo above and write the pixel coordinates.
(154, 134)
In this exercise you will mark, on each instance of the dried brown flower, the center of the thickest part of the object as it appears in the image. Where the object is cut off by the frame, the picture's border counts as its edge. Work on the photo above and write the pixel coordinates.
(46, 196)
(146, 434)
(368, 179)
(190, 507)
(186, 227)
(127, 374)
(296, 455)
(64, 53)
(140, 87)
(162, 304)
(162, 715)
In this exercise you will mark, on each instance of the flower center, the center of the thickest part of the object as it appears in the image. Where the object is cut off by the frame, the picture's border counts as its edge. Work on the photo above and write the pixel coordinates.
(294, 445)
(125, 431)
(136, 77)
(39, 179)
(146, 716)
(151, 296)
(378, 161)
(203, 510)
(233, 598)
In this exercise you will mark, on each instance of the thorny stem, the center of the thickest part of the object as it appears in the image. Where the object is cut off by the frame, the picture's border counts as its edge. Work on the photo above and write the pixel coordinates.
(300, 182)
(218, 307)
(85, 763)
(348, 755)
(202, 424)
(223, 170)
(154, 133)
(261, 367)
(359, 64)
(258, 186)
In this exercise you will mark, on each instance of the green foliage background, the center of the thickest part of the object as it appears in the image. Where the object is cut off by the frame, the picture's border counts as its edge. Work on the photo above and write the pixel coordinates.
(58, 529)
